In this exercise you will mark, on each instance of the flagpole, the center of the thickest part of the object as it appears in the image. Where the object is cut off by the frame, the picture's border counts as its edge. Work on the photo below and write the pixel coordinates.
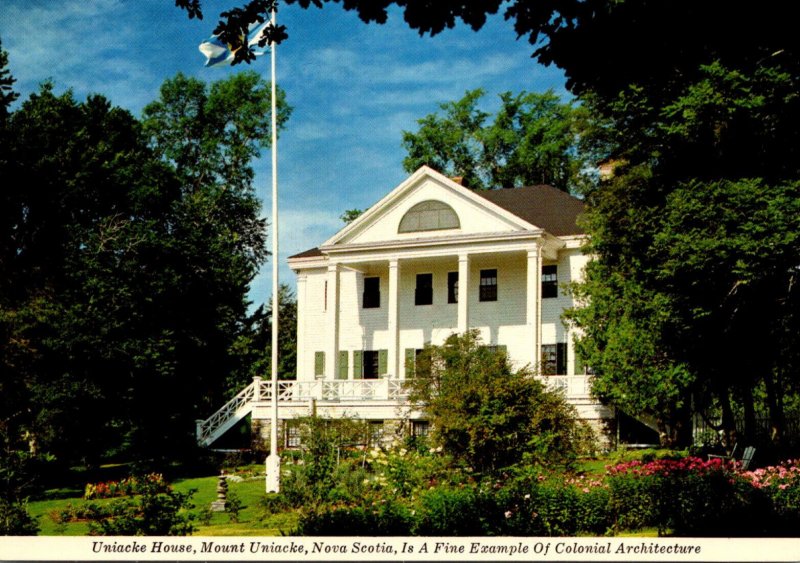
(274, 461)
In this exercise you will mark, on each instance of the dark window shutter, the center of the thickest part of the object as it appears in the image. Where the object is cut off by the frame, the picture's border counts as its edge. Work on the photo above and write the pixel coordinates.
(358, 363)
(411, 363)
(561, 362)
(319, 364)
(342, 365)
(383, 362)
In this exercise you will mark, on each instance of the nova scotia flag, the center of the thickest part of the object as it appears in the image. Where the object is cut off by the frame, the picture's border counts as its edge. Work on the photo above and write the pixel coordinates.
(219, 54)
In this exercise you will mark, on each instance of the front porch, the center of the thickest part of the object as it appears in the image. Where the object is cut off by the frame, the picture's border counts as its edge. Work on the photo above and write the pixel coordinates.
(364, 399)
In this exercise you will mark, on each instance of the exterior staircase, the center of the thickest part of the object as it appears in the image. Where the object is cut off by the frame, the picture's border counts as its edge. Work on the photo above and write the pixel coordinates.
(233, 411)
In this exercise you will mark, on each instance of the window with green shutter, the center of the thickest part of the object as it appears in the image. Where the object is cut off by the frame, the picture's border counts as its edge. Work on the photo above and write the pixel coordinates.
(319, 364)
(358, 364)
(342, 374)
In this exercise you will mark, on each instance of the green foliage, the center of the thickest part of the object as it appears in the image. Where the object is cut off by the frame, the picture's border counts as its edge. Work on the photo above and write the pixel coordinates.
(127, 248)
(385, 518)
(256, 348)
(15, 520)
(326, 443)
(456, 511)
(7, 95)
(488, 416)
(531, 141)
(233, 506)
(350, 215)
(153, 513)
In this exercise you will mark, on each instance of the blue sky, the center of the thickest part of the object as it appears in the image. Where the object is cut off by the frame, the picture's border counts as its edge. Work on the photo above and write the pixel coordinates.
(354, 88)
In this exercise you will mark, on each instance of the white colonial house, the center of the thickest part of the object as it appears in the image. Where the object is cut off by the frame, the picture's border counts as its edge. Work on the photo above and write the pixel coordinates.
(430, 259)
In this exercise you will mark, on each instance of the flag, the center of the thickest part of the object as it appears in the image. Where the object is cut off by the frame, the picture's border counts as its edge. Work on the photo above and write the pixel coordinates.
(219, 54)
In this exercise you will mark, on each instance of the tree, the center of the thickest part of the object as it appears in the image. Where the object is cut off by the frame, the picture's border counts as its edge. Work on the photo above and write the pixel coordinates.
(486, 414)
(7, 95)
(258, 345)
(126, 256)
(694, 246)
(350, 215)
(532, 140)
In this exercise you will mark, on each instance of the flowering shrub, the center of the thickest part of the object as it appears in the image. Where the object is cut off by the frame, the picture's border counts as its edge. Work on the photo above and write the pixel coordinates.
(686, 496)
(127, 487)
(404, 472)
(780, 485)
(689, 496)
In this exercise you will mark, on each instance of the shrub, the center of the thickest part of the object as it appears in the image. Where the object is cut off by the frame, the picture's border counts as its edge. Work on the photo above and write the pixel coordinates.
(456, 511)
(386, 518)
(15, 520)
(402, 472)
(688, 496)
(489, 416)
(233, 506)
(272, 503)
(779, 487)
(129, 486)
(312, 479)
(153, 513)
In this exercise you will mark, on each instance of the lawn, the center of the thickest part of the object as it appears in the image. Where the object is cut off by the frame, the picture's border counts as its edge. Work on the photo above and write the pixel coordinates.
(251, 521)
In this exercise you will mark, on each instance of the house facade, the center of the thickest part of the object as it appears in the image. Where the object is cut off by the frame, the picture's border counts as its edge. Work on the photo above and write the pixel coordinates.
(430, 259)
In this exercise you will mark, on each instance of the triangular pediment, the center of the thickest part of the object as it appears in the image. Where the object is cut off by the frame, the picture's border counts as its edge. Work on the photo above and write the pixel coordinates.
(426, 194)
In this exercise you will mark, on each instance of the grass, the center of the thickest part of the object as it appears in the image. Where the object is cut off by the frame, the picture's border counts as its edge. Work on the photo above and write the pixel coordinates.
(251, 520)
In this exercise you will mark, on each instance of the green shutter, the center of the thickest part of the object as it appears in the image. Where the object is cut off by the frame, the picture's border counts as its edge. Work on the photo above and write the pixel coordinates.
(319, 364)
(358, 364)
(342, 365)
(383, 362)
(561, 360)
(411, 361)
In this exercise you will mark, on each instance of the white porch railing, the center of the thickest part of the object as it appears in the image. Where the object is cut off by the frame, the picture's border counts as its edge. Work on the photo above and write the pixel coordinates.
(575, 387)
(336, 390)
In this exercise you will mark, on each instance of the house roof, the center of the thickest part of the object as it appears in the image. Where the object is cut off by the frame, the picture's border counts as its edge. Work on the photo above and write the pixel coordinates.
(547, 207)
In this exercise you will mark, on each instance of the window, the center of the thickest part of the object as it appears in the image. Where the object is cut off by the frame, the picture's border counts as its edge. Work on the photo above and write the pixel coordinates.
(549, 281)
(370, 364)
(292, 437)
(554, 359)
(417, 364)
(420, 428)
(498, 349)
(488, 285)
(375, 431)
(319, 364)
(452, 287)
(372, 293)
(423, 294)
(429, 216)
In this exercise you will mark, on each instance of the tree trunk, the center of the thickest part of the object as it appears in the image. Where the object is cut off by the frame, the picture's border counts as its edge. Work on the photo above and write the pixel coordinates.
(774, 403)
(749, 415)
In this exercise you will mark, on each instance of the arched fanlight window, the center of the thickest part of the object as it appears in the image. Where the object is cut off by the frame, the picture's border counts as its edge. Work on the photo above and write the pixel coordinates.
(429, 215)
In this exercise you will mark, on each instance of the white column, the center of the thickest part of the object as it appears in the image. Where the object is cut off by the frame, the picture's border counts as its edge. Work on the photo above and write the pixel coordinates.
(393, 359)
(533, 305)
(463, 293)
(302, 362)
(332, 323)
